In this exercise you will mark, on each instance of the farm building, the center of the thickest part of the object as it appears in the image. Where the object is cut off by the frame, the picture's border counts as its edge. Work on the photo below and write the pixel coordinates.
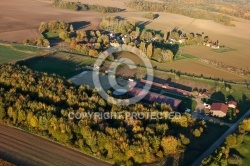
(166, 87)
(219, 109)
(232, 104)
(152, 97)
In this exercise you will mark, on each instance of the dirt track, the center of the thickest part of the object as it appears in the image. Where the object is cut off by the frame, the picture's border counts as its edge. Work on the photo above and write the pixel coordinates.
(25, 149)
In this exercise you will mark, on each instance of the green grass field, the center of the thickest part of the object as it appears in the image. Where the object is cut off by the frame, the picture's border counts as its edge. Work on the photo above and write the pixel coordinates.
(26, 48)
(9, 54)
(51, 35)
(225, 49)
(186, 102)
(61, 64)
(184, 56)
(244, 150)
(198, 145)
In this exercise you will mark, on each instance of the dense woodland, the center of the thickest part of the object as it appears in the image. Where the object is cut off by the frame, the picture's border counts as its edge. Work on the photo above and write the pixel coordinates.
(40, 103)
(78, 6)
(224, 155)
(177, 7)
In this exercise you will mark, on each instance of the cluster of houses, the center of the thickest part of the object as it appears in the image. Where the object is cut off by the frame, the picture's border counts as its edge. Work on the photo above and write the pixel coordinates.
(220, 109)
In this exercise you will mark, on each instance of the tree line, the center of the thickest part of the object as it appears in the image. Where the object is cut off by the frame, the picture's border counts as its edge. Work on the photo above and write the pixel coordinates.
(78, 6)
(182, 8)
(225, 155)
(40, 103)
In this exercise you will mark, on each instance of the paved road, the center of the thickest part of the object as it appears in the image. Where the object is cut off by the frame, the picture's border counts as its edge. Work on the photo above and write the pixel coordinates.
(212, 148)
(25, 149)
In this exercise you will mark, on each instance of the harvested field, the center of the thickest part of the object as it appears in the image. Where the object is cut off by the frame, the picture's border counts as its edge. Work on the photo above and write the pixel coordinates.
(31, 13)
(17, 27)
(189, 66)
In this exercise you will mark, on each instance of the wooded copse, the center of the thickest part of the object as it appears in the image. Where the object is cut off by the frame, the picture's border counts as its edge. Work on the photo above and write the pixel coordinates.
(78, 6)
(40, 103)
(179, 8)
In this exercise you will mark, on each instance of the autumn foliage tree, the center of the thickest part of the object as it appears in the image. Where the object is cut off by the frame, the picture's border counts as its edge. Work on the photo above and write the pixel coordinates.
(41, 103)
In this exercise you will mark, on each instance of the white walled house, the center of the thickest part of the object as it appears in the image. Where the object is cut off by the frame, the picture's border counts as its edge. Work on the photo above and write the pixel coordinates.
(219, 109)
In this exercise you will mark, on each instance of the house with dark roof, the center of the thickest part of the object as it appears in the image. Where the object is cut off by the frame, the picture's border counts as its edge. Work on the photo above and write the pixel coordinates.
(219, 109)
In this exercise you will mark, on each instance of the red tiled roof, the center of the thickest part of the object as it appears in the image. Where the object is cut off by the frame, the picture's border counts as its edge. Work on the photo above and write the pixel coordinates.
(219, 107)
(233, 103)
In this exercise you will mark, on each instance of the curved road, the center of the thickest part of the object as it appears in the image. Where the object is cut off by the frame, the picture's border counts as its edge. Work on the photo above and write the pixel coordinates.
(25, 149)
(212, 148)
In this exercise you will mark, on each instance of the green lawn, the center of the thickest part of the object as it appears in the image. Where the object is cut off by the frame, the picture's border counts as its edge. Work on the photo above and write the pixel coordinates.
(244, 150)
(199, 145)
(186, 102)
(9, 54)
(26, 48)
(184, 56)
(61, 64)
(51, 35)
(225, 49)
(188, 56)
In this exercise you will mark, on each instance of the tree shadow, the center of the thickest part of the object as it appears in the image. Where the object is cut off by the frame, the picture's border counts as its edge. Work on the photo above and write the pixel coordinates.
(156, 16)
(218, 96)
(80, 24)
(119, 18)
(236, 152)
(230, 98)
(143, 24)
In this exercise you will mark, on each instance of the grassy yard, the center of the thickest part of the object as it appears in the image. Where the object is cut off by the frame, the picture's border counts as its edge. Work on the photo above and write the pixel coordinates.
(186, 102)
(10, 54)
(51, 35)
(244, 150)
(25, 48)
(61, 64)
(198, 145)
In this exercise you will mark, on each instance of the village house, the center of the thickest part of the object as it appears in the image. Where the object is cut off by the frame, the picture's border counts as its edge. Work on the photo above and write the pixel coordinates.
(219, 109)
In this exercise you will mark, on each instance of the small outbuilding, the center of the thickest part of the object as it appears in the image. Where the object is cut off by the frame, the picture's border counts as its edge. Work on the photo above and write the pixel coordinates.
(232, 104)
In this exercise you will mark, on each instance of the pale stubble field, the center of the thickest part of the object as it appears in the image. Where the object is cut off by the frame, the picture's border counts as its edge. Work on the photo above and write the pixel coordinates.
(20, 19)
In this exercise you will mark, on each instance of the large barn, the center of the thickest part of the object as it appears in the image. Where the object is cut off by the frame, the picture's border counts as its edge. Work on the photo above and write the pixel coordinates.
(152, 97)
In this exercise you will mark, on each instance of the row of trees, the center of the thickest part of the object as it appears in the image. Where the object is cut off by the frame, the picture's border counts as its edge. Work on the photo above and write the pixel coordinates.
(78, 6)
(41, 103)
(224, 155)
(41, 42)
(180, 8)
